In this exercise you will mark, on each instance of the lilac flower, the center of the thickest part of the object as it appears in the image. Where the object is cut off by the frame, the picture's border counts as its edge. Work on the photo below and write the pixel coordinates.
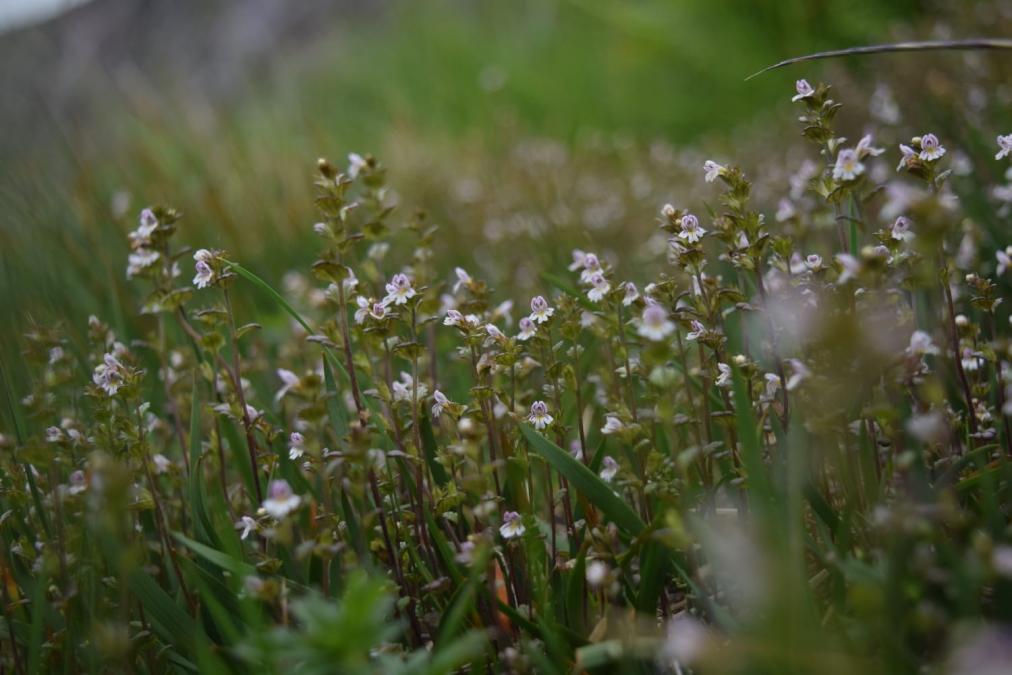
(654, 323)
(723, 380)
(540, 311)
(399, 290)
(813, 262)
(440, 403)
(698, 330)
(109, 375)
(78, 482)
(539, 416)
(804, 90)
(691, 230)
(931, 149)
(453, 318)
(527, 329)
(851, 267)
(713, 170)
(631, 294)
(799, 374)
(297, 445)
(146, 226)
(591, 266)
(612, 424)
(600, 287)
(921, 344)
(280, 499)
(378, 311)
(205, 275)
(511, 525)
(1004, 146)
(848, 166)
(405, 389)
(609, 467)
(578, 258)
(494, 333)
(140, 260)
(900, 230)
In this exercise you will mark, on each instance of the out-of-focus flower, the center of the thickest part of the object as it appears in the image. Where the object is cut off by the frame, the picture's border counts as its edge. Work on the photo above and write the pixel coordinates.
(713, 170)
(355, 164)
(297, 445)
(439, 403)
(1004, 260)
(803, 89)
(800, 373)
(1004, 146)
(109, 375)
(698, 330)
(900, 230)
(631, 293)
(512, 525)
(463, 278)
(247, 525)
(848, 166)
(654, 324)
(527, 329)
(597, 574)
(609, 467)
(921, 344)
(813, 262)
(599, 287)
(288, 380)
(612, 424)
(280, 499)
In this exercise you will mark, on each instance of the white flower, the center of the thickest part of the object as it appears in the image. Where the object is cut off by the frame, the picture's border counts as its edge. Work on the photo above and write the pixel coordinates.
(1004, 260)
(140, 260)
(440, 403)
(597, 573)
(772, 385)
(364, 304)
(109, 375)
(612, 424)
(1004, 146)
(848, 166)
(378, 311)
(203, 255)
(907, 156)
(399, 290)
(527, 329)
(631, 294)
(804, 90)
(247, 525)
(931, 149)
(691, 230)
(54, 434)
(851, 267)
(539, 416)
(971, 361)
(204, 276)
(297, 445)
(609, 467)
(698, 330)
(668, 211)
(463, 278)
(281, 500)
(865, 148)
(78, 482)
(600, 287)
(900, 230)
(162, 463)
(288, 380)
(453, 318)
(799, 374)
(813, 262)
(921, 344)
(355, 164)
(404, 390)
(578, 258)
(724, 378)
(713, 170)
(504, 311)
(654, 324)
(494, 333)
(540, 311)
(146, 226)
(511, 525)
(591, 266)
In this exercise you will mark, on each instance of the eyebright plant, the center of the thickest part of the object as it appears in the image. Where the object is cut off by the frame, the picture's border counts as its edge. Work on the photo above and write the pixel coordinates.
(786, 452)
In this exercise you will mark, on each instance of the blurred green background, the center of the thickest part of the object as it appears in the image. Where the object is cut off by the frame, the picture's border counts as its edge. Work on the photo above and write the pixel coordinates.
(220, 109)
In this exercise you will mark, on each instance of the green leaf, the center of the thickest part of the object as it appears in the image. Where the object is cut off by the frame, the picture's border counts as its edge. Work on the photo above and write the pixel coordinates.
(462, 602)
(586, 482)
(430, 449)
